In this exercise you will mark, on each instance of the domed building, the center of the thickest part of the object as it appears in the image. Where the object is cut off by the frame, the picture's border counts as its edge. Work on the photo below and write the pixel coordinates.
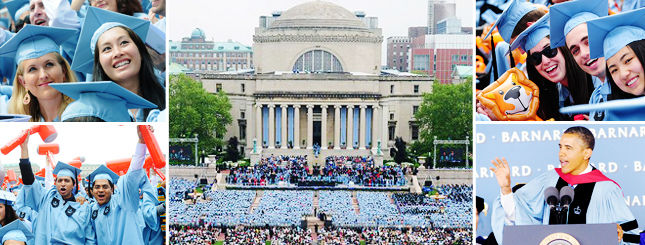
(317, 81)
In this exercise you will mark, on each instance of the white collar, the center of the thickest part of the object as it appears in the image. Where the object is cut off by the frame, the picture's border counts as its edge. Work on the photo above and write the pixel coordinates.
(588, 169)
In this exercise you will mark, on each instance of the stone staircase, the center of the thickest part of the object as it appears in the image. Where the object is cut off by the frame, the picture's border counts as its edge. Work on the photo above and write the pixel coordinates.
(357, 210)
(256, 201)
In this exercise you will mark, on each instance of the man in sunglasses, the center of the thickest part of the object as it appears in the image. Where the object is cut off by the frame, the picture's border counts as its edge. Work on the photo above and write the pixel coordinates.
(569, 27)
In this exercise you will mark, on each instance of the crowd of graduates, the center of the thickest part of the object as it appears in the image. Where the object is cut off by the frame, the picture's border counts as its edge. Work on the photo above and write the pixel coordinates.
(560, 60)
(83, 60)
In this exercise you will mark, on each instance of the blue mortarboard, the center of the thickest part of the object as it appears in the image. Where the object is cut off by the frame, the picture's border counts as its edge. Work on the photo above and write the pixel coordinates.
(14, 118)
(617, 110)
(16, 8)
(65, 170)
(96, 22)
(16, 231)
(103, 172)
(40, 178)
(106, 100)
(4, 22)
(609, 34)
(7, 198)
(35, 41)
(565, 16)
(532, 35)
(508, 20)
(156, 39)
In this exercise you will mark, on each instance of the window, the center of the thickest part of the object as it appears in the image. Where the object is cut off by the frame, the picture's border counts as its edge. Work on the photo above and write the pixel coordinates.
(242, 87)
(415, 109)
(242, 132)
(390, 132)
(464, 58)
(242, 114)
(391, 89)
(218, 87)
(416, 89)
(421, 62)
(317, 61)
(391, 116)
(414, 129)
(455, 58)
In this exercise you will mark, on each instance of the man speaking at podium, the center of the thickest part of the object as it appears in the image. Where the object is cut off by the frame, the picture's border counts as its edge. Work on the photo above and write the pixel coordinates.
(597, 198)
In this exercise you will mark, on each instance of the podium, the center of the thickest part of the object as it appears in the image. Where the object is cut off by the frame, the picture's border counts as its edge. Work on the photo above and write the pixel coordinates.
(579, 234)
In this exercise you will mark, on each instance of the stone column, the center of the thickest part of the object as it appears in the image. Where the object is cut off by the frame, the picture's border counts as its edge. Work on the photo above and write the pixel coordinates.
(337, 126)
(258, 124)
(361, 128)
(323, 127)
(296, 127)
(271, 126)
(376, 126)
(283, 141)
(310, 126)
(350, 127)
(384, 126)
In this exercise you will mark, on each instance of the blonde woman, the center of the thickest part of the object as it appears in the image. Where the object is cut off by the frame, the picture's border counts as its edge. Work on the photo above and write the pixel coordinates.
(35, 50)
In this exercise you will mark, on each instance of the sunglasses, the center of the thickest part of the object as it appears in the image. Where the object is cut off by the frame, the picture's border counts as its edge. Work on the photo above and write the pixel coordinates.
(536, 58)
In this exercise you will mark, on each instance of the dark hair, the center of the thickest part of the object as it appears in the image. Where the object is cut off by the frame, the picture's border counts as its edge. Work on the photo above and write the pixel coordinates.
(584, 134)
(531, 16)
(616, 93)
(580, 87)
(9, 215)
(149, 87)
(128, 7)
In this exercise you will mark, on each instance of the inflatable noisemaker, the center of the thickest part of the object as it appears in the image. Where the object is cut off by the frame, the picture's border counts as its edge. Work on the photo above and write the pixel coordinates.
(47, 134)
(76, 163)
(153, 147)
(513, 97)
(11, 177)
(49, 150)
(119, 166)
(149, 164)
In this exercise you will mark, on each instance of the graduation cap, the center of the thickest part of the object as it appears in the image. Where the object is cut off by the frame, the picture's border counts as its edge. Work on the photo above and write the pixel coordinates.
(97, 21)
(14, 118)
(565, 16)
(510, 17)
(617, 110)
(16, 8)
(105, 100)
(532, 35)
(7, 198)
(609, 34)
(35, 41)
(103, 172)
(65, 170)
(156, 39)
(16, 231)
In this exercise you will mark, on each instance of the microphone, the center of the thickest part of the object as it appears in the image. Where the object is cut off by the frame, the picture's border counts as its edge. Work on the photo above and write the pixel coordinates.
(551, 196)
(566, 196)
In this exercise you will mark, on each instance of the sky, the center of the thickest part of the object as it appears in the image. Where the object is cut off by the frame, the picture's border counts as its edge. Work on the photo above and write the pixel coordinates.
(237, 20)
(97, 142)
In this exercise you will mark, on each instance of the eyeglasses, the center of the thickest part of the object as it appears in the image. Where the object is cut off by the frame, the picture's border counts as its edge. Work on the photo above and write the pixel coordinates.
(536, 58)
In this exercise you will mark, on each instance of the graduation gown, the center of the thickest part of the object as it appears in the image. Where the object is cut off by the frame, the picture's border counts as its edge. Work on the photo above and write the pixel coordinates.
(605, 201)
(117, 222)
(148, 212)
(58, 221)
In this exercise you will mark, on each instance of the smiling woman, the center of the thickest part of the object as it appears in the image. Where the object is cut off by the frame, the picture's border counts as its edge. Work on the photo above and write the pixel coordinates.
(35, 50)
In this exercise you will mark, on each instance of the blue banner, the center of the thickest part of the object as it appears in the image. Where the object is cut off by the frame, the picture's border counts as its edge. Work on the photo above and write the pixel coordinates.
(532, 149)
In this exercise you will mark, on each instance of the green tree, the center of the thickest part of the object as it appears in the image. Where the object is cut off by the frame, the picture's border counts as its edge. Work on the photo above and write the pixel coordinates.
(447, 113)
(195, 111)
(232, 153)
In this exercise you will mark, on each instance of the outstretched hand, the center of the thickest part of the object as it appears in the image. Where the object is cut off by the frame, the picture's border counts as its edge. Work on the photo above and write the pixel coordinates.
(24, 146)
(502, 174)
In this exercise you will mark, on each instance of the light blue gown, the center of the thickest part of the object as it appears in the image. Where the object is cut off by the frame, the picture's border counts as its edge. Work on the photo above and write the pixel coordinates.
(148, 211)
(599, 94)
(58, 221)
(117, 222)
(607, 205)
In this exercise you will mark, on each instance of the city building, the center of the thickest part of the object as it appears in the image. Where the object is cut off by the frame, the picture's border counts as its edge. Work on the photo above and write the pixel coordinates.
(439, 55)
(439, 10)
(201, 55)
(397, 53)
(317, 81)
